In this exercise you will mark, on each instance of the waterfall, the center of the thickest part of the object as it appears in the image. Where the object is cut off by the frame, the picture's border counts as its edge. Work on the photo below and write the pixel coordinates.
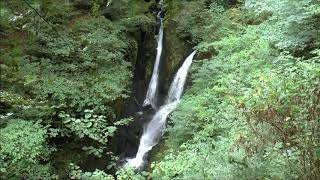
(151, 97)
(155, 128)
(179, 80)
(152, 134)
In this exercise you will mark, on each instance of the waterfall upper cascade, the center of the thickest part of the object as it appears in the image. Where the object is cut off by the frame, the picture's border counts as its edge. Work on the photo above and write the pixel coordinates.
(151, 97)
(155, 128)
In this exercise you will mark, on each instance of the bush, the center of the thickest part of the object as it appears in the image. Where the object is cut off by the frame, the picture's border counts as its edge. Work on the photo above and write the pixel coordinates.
(24, 152)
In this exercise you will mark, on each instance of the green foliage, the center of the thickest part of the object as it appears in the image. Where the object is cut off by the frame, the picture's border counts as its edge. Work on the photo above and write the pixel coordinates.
(198, 21)
(99, 53)
(138, 22)
(68, 68)
(93, 151)
(76, 173)
(57, 12)
(293, 24)
(23, 151)
(130, 173)
(251, 112)
(91, 125)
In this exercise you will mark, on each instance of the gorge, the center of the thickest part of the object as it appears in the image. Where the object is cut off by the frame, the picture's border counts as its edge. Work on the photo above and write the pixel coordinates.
(105, 89)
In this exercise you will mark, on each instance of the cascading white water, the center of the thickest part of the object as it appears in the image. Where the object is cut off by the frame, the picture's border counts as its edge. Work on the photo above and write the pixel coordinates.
(151, 97)
(155, 128)
(152, 134)
(179, 80)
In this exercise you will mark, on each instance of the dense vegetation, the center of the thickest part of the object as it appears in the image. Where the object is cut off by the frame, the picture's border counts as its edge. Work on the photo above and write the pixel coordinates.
(65, 71)
(251, 111)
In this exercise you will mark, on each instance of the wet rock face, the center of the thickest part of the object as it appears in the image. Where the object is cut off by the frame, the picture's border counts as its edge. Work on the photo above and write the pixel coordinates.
(126, 141)
(175, 51)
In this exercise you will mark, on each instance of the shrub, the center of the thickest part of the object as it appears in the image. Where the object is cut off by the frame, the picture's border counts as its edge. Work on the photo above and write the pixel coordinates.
(24, 153)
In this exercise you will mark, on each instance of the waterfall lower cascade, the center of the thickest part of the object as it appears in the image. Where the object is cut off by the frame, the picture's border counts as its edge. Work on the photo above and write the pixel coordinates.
(155, 128)
(151, 97)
